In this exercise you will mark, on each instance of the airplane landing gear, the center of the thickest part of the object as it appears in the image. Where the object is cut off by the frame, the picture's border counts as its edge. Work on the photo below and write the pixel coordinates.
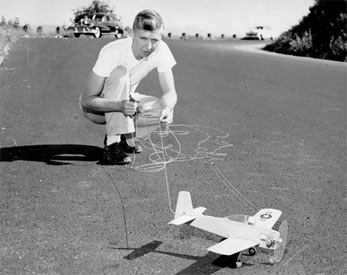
(252, 251)
(238, 264)
(272, 260)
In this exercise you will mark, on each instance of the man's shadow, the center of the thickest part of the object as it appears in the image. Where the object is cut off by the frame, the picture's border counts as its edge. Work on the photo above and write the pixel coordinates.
(52, 154)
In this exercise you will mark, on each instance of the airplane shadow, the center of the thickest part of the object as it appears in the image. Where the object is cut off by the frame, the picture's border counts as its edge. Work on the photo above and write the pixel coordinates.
(204, 265)
(52, 154)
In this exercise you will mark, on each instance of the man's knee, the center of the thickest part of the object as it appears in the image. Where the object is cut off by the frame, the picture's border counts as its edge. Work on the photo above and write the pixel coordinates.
(150, 106)
(118, 72)
(116, 84)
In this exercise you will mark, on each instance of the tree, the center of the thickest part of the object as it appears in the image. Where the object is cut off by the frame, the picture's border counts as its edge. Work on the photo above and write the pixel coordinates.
(320, 34)
(97, 6)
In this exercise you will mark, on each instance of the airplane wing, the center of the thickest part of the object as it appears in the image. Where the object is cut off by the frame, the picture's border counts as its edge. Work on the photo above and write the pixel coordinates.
(182, 220)
(189, 216)
(231, 246)
(267, 217)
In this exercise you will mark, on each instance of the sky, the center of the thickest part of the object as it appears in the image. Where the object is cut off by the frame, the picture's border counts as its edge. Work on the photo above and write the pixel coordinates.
(190, 16)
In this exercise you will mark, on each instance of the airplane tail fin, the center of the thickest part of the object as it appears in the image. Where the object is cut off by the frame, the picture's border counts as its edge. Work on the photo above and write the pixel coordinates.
(184, 209)
(184, 204)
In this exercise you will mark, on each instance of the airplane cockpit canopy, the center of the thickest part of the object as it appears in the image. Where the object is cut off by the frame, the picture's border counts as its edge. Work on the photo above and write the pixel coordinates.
(240, 218)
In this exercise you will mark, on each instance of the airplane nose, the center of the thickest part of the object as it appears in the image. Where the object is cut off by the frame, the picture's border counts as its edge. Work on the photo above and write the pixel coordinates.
(269, 242)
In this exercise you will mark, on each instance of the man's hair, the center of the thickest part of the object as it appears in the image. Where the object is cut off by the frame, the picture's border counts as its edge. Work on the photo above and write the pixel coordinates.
(148, 20)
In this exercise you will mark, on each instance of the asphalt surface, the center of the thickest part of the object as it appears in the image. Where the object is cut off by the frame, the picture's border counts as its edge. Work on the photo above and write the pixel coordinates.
(251, 130)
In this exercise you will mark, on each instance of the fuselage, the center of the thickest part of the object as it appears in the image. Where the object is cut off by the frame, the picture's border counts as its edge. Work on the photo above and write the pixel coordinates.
(224, 227)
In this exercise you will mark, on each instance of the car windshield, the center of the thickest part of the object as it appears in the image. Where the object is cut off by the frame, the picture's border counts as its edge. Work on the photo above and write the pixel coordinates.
(82, 17)
(98, 16)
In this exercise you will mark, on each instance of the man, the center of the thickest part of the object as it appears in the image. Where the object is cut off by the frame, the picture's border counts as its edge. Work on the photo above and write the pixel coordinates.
(109, 96)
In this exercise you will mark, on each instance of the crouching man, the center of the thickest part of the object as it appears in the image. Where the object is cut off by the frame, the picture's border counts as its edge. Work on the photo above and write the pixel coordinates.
(109, 96)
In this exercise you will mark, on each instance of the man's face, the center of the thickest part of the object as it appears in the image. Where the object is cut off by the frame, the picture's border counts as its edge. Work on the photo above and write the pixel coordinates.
(146, 42)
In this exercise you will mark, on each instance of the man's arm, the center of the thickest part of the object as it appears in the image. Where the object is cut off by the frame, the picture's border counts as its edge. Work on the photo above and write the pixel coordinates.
(167, 84)
(169, 98)
(91, 98)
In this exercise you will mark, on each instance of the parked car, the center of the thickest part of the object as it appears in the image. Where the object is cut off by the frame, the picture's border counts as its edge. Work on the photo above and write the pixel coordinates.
(252, 36)
(259, 33)
(97, 24)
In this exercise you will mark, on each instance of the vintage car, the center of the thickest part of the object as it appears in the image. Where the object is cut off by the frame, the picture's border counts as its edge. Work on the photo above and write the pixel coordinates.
(97, 24)
(251, 36)
(259, 33)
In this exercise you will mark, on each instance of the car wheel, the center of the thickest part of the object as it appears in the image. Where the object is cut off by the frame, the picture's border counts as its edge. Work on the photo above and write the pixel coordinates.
(118, 33)
(76, 35)
(97, 32)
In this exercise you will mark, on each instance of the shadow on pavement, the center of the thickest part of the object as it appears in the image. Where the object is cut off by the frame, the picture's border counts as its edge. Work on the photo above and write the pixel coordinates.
(55, 154)
(207, 264)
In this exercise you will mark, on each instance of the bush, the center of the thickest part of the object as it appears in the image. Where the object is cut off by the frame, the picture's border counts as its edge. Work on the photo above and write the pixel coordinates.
(301, 45)
(320, 34)
(8, 35)
(339, 49)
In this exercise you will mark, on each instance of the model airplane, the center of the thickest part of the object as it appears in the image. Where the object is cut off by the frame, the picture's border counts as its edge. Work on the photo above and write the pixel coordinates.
(241, 232)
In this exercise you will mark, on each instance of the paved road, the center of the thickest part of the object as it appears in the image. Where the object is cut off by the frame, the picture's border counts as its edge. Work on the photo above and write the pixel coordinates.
(251, 130)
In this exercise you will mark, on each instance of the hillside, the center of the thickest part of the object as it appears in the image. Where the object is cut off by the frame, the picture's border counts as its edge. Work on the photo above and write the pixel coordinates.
(320, 34)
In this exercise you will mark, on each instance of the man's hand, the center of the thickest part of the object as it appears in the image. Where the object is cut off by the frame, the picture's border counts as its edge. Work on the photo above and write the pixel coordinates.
(128, 107)
(166, 116)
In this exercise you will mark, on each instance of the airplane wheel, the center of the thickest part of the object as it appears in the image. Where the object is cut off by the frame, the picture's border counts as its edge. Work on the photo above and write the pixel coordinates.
(238, 264)
(272, 260)
(252, 251)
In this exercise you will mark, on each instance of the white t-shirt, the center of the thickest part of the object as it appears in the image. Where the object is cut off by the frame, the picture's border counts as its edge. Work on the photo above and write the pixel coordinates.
(119, 53)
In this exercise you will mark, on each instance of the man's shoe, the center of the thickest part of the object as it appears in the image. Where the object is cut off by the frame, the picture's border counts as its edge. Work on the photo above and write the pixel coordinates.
(115, 154)
(130, 149)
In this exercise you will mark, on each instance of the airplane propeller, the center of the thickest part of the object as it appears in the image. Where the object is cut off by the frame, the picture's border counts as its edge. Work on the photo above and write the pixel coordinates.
(280, 246)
